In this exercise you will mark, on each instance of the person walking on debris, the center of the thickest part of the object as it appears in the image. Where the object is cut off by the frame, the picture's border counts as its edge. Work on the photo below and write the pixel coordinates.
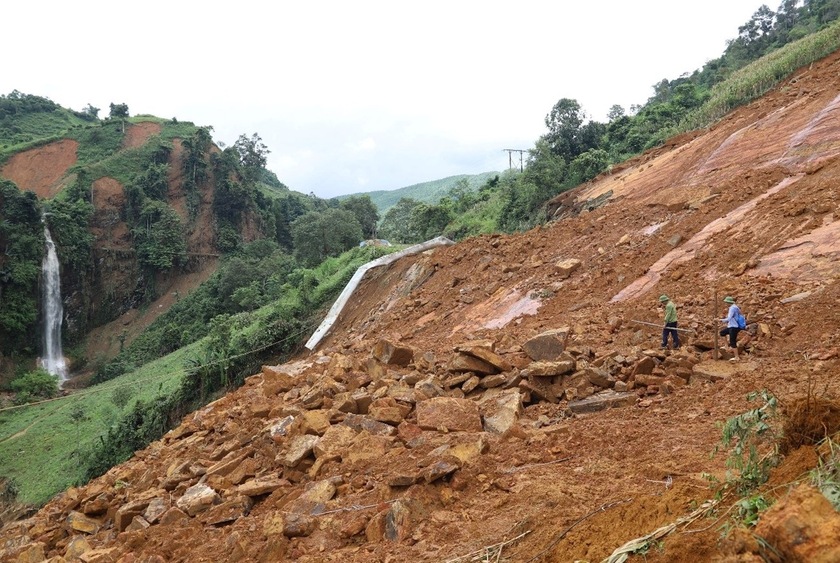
(670, 322)
(735, 322)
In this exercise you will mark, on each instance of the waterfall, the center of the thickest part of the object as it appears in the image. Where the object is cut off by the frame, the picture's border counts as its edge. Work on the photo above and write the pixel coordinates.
(53, 358)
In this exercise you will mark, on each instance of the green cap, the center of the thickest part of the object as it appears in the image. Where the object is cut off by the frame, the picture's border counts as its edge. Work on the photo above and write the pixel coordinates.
(663, 298)
(728, 299)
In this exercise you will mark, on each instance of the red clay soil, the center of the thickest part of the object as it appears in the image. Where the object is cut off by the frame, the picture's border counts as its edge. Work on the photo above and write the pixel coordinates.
(136, 134)
(343, 456)
(43, 169)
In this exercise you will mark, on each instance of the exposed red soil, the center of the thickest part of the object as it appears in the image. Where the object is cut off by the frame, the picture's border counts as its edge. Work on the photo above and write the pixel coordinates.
(136, 134)
(714, 213)
(43, 169)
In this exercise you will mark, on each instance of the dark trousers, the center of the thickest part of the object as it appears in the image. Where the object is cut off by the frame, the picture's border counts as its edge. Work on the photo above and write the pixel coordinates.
(670, 328)
(732, 331)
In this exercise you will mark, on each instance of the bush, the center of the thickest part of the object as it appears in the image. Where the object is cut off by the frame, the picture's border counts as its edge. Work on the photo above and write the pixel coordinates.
(35, 385)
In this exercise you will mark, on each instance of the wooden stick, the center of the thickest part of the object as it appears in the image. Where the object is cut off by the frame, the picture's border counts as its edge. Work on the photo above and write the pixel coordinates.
(662, 327)
(717, 354)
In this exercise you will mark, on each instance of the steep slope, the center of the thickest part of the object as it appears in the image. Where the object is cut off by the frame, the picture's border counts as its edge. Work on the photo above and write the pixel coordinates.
(437, 421)
(102, 298)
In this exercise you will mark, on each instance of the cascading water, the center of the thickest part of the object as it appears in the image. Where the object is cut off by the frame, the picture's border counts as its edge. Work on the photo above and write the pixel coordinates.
(53, 358)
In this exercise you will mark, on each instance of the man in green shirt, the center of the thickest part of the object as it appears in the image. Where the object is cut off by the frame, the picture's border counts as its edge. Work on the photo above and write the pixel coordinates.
(670, 322)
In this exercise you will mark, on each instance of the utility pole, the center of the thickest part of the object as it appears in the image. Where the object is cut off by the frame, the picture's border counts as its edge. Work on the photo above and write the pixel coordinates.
(510, 157)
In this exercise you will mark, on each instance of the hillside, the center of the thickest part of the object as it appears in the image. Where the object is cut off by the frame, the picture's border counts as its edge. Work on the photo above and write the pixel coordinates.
(439, 422)
(426, 192)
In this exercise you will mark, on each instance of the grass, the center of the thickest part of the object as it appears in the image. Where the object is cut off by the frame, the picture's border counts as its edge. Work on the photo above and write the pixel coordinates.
(40, 446)
(760, 76)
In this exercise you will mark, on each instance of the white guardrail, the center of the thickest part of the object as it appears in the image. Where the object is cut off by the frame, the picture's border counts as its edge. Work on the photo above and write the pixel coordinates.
(351, 286)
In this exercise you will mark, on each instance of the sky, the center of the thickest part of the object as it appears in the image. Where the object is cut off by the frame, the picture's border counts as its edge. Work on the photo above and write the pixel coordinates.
(355, 96)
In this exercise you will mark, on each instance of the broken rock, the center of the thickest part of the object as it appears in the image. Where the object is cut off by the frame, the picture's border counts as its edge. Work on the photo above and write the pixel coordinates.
(197, 498)
(547, 345)
(603, 400)
(449, 415)
(389, 353)
(565, 268)
(502, 411)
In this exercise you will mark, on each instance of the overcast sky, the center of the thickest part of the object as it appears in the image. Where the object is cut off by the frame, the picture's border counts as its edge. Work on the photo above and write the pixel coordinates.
(355, 95)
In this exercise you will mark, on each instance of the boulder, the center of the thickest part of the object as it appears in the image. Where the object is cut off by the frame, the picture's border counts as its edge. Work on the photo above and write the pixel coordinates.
(466, 362)
(449, 415)
(600, 378)
(126, 513)
(275, 381)
(387, 410)
(486, 354)
(367, 447)
(359, 422)
(278, 429)
(76, 548)
(644, 366)
(335, 441)
(261, 486)
(300, 447)
(551, 369)
(80, 523)
(502, 411)
(565, 268)
(389, 353)
(197, 499)
(603, 400)
(157, 507)
(440, 468)
(548, 345)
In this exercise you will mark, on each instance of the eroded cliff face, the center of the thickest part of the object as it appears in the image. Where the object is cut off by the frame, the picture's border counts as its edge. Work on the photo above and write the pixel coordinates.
(500, 397)
(104, 301)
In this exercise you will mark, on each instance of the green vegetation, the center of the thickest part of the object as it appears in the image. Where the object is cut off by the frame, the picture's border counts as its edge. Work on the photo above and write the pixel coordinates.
(760, 76)
(285, 255)
(25, 118)
(826, 477)
(426, 192)
(44, 449)
(753, 450)
(33, 386)
(22, 238)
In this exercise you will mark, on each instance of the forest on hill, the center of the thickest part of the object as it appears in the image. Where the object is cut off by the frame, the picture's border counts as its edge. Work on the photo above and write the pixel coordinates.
(147, 201)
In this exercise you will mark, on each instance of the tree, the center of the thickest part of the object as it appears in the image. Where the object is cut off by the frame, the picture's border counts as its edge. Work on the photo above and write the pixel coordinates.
(428, 221)
(365, 212)
(587, 165)
(616, 112)
(461, 196)
(564, 123)
(159, 238)
(395, 224)
(21, 251)
(119, 111)
(91, 112)
(318, 235)
(252, 156)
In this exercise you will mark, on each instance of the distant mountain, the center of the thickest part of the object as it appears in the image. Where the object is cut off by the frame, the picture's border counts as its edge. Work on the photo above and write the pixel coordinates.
(427, 192)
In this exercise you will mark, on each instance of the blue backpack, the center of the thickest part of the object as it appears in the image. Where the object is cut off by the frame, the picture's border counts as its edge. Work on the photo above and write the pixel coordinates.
(739, 318)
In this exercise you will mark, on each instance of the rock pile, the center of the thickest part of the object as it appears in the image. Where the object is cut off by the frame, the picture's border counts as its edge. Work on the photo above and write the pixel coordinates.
(342, 442)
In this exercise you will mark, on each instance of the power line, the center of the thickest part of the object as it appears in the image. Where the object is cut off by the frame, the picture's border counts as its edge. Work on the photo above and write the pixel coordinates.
(510, 157)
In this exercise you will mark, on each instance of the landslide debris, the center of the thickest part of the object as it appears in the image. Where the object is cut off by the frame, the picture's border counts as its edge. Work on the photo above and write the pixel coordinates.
(502, 391)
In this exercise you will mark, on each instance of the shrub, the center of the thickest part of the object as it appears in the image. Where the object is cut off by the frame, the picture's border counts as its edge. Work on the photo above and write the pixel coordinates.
(37, 384)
